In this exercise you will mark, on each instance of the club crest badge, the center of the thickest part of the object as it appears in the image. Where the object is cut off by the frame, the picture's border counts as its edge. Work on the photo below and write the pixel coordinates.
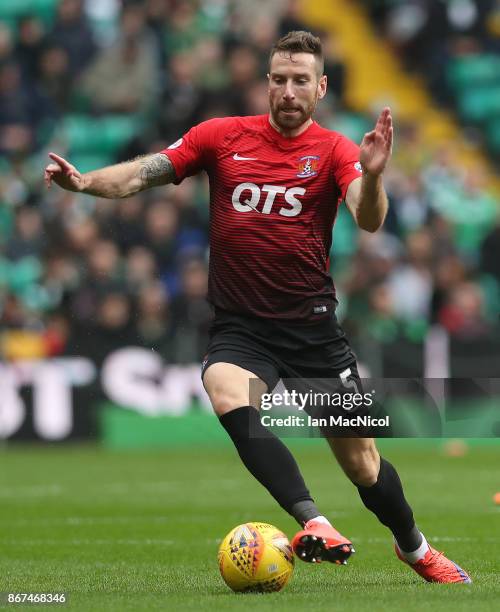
(308, 166)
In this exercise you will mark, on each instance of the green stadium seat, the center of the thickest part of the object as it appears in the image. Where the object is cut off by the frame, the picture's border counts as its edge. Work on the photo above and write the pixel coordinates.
(91, 161)
(344, 234)
(23, 273)
(479, 103)
(491, 293)
(101, 135)
(351, 125)
(493, 131)
(12, 10)
(474, 70)
(6, 222)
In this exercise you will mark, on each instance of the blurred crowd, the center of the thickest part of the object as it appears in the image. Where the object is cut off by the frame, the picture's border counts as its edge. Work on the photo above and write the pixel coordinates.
(454, 46)
(79, 274)
(430, 33)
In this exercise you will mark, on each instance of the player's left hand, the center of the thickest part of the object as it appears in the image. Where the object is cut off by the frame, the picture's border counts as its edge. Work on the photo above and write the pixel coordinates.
(376, 146)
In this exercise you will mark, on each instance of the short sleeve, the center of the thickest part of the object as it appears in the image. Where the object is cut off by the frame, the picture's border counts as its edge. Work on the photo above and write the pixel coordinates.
(195, 151)
(346, 166)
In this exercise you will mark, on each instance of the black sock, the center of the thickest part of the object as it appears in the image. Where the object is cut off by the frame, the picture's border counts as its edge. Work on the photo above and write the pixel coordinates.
(387, 501)
(269, 461)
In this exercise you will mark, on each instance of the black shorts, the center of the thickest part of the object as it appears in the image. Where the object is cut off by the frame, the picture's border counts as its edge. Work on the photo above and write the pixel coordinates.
(275, 350)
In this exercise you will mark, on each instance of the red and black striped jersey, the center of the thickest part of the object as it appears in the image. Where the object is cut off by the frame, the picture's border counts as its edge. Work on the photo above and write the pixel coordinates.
(273, 202)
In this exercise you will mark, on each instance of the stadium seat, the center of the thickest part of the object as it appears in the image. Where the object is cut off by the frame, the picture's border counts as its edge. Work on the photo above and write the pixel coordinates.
(479, 103)
(20, 275)
(493, 132)
(344, 235)
(103, 135)
(85, 162)
(12, 10)
(352, 125)
(491, 293)
(473, 71)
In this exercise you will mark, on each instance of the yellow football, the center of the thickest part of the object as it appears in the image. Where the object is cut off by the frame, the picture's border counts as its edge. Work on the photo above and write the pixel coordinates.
(256, 557)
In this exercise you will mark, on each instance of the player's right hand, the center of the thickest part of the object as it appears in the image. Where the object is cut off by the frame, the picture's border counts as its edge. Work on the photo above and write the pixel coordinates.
(63, 174)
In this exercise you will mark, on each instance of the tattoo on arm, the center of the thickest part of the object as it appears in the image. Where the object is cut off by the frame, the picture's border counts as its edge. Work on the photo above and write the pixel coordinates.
(156, 170)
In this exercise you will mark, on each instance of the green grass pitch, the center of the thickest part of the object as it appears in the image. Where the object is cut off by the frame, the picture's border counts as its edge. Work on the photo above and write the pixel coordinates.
(140, 530)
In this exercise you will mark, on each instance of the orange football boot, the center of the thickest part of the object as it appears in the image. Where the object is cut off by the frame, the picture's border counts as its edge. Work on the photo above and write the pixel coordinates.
(321, 542)
(435, 567)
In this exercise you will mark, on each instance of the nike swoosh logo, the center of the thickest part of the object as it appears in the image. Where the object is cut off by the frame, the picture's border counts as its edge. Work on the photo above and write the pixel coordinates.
(239, 158)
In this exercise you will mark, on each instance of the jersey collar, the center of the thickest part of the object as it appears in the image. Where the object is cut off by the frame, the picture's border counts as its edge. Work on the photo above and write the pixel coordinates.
(282, 139)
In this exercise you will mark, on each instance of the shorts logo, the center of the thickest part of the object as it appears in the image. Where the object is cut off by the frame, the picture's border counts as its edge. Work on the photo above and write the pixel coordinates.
(176, 144)
(308, 166)
(320, 309)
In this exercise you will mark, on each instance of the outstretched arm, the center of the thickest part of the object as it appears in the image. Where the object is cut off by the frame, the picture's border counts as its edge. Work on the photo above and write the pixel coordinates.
(366, 197)
(118, 181)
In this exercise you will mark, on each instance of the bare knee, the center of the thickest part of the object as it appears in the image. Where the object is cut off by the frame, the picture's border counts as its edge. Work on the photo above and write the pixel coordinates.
(359, 460)
(224, 401)
(229, 387)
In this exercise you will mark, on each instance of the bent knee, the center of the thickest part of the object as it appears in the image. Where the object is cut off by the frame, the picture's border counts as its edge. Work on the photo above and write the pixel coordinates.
(224, 402)
(228, 387)
(362, 469)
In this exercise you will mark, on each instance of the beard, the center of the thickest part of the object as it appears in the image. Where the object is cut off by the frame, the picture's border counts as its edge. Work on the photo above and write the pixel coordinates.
(291, 116)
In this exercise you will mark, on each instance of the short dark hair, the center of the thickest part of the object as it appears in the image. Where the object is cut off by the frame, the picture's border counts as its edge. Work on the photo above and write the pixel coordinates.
(300, 41)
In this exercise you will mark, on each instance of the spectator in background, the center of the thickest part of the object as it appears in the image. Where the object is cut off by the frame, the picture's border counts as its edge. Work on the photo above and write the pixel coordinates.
(131, 65)
(153, 322)
(184, 27)
(210, 75)
(370, 266)
(291, 20)
(256, 99)
(72, 32)
(111, 326)
(383, 324)
(125, 224)
(180, 98)
(157, 16)
(243, 65)
(410, 204)
(449, 272)
(334, 69)
(410, 283)
(62, 277)
(191, 314)
(16, 141)
(23, 108)
(103, 277)
(13, 314)
(161, 224)
(490, 253)
(6, 44)
(79, 236)
(55, 76)
(463, 313)
(262, 32)
(16, 104)
(30, 43)
(442, 231)
(191, 204)
(28, 239)
(141, 270)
